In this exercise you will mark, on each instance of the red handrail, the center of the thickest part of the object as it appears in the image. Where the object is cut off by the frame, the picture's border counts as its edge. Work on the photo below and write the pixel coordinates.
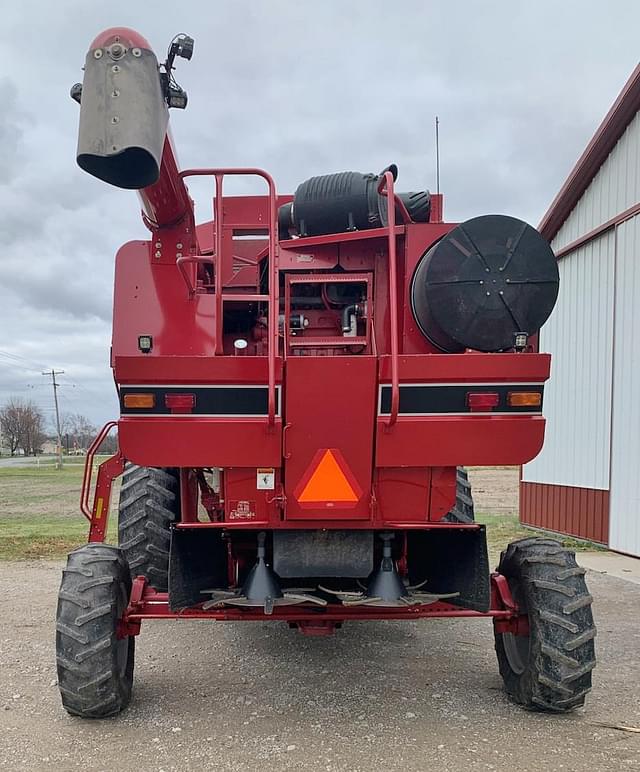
(88, 468)
(218, 216)
(385, 188)
(274, 298)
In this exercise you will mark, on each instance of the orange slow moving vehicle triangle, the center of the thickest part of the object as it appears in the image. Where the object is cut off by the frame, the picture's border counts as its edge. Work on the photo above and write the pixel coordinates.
(328, 483)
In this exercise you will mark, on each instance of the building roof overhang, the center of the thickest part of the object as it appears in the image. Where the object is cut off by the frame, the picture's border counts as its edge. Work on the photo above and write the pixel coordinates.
(604, 140)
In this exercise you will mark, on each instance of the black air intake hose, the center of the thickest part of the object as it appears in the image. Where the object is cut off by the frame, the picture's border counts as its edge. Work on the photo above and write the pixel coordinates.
(347, 201)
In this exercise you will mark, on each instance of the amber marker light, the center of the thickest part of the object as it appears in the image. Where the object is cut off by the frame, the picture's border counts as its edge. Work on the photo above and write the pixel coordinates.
(524, 399)
(140, 400)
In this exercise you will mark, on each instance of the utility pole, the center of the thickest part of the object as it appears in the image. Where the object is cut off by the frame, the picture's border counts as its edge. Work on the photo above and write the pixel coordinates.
(55, 385)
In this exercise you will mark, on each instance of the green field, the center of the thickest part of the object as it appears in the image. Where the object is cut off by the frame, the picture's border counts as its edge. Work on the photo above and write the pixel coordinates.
(40, 512)
(40, 515)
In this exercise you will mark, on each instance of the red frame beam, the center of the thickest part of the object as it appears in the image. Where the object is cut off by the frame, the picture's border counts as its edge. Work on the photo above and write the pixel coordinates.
(146, 603)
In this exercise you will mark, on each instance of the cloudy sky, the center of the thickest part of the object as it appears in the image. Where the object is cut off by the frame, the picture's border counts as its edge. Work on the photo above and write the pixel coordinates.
(298, 88)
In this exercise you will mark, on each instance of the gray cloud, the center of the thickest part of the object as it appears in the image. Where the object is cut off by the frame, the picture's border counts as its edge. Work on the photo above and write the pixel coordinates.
(298, 88)
(11, 133)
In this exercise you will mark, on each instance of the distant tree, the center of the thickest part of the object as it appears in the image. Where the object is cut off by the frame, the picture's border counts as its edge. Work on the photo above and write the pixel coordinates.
(78, 430)
(110, 444)
(22, 424)
(10, 425)
(32, 431)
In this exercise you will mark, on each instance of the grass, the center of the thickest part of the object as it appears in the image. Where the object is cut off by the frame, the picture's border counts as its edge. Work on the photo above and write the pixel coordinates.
(40, 511)
(47, 537)
(502, 529)
(40, 515)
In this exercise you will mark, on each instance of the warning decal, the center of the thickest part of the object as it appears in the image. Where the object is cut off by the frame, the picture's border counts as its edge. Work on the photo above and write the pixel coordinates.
(266, 479)
(328, 482)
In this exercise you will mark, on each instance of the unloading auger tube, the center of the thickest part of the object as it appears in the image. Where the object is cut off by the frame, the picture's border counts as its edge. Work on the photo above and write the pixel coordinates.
(299, 396)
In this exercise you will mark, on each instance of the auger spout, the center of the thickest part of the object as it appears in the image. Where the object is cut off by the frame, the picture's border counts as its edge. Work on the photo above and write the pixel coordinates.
(123, 137)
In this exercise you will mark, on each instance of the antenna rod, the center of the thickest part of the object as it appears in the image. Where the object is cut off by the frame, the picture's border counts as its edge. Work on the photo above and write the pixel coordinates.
(437, 157)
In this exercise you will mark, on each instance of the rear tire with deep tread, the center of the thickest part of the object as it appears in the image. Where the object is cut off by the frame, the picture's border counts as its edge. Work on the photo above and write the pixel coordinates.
(550, 670)
(149, 504)
(462, 511)
(95, 667)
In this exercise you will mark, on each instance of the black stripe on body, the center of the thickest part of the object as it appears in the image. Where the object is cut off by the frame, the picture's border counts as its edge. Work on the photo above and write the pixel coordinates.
(427, 399)
(212, 401)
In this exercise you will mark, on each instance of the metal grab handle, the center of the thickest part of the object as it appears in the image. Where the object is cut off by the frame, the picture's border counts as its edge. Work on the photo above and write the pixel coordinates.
(274, 298)
(88, 468)
(385, 188)
(286, 453)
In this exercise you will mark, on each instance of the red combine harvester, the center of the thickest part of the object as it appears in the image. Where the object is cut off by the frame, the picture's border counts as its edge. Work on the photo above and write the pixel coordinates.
(301, 381)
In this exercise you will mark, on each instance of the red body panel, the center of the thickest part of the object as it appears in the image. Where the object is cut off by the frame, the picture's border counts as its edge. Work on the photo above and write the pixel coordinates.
(261, 507)
(162, 369)
(330, 397)
(403, 490)
(150, 299)
(192, 441)
(342, 390)
(471, 367)
(459, 441)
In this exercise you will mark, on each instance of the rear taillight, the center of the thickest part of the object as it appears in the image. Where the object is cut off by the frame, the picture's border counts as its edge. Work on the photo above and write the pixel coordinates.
(180, 403)
(481, 401)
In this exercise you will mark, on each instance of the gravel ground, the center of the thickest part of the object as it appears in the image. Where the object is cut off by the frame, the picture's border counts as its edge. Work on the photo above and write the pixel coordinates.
(495, 488)
(386, 695)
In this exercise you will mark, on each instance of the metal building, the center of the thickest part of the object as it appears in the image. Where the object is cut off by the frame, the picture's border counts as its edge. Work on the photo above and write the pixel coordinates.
(586, 481)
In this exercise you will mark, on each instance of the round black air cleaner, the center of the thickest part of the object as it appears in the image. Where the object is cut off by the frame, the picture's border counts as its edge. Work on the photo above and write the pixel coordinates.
(486, 280)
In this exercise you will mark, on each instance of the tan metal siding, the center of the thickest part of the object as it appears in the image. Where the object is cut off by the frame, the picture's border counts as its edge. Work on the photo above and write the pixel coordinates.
(625, 433)
(615, 187)
(577, 401)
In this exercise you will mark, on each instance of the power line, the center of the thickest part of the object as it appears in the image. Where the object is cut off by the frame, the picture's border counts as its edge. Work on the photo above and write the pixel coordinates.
(14, 356)
(89, 392)
(17, 365)
(18, 358)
